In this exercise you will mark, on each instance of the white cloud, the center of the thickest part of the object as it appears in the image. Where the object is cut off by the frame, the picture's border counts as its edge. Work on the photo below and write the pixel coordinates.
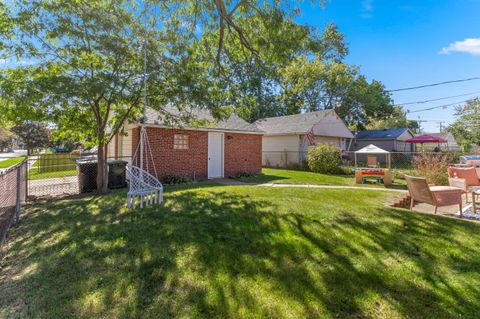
(469, 45)
(367, 5)
(367, 9)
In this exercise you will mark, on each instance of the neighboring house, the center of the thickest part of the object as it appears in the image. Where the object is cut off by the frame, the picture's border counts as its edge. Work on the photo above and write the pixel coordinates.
(450, 145)
(284, 142)
(392, 140)
(210, 149)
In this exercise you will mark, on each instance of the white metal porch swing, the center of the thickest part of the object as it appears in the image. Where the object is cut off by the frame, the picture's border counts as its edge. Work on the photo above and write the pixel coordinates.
(143, 186)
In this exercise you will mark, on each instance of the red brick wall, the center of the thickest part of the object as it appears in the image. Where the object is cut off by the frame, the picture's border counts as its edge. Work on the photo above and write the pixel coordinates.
(243, 152)
(174, 161)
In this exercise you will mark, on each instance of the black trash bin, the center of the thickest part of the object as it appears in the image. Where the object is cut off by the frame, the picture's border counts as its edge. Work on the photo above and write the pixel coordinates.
(87, 175)
(116, 174)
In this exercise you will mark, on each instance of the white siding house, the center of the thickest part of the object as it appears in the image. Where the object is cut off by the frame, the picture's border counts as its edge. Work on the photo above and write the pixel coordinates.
(284, 141)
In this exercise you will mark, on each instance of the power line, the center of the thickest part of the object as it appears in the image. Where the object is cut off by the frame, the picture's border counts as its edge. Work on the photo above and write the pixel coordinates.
(438, 99)
(434, 84)
(435, 107)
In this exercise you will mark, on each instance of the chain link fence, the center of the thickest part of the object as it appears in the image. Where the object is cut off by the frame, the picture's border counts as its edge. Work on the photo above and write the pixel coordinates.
(61, 174)
(13, 193)
(398, 160)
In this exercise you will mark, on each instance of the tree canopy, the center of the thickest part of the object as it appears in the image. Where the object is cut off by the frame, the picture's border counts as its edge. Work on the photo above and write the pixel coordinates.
(88, 62)
(397, 119)
(34, 135)
(465, 129)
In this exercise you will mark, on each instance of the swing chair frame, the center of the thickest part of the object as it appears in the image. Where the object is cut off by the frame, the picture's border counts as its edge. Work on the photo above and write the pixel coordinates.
(143, 186)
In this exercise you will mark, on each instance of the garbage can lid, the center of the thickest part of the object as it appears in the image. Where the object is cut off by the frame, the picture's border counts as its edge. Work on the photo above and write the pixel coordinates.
(112, 162)
(86, 160)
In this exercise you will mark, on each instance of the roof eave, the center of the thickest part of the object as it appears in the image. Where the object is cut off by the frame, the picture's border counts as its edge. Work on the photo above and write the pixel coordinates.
(204, 129)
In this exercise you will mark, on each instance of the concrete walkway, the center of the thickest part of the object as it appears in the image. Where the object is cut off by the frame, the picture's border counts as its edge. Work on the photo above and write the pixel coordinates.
(233, 182)
(332, 187)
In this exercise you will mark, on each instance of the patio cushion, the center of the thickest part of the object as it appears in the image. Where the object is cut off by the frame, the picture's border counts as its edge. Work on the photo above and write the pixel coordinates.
(467, 173)
(436, 189)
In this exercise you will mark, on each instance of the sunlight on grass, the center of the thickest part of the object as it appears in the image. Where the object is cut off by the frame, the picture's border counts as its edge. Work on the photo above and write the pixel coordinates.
(11, 161)
(240, 252)
(34, 174)
(283, 176)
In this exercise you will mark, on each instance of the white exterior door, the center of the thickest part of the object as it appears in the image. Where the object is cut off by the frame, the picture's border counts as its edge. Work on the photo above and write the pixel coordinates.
(215, 155)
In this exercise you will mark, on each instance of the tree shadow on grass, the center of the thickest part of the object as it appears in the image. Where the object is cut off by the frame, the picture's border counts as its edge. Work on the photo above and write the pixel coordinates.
(211, 254)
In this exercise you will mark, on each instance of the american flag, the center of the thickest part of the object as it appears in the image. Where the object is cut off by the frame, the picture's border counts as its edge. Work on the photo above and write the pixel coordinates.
(310, 137)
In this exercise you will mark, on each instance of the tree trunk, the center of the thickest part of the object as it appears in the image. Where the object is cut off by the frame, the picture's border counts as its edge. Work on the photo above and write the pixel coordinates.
(102, 169)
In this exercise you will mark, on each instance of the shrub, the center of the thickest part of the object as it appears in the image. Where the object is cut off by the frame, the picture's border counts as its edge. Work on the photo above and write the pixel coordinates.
(324, 158)
(433, 167)
(173, 179)
(244, 175)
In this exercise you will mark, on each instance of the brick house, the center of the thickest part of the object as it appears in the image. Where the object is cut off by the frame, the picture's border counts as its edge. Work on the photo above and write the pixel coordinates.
(194, 144)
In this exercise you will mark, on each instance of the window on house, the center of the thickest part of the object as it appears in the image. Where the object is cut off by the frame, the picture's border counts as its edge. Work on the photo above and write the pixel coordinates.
(180, 142)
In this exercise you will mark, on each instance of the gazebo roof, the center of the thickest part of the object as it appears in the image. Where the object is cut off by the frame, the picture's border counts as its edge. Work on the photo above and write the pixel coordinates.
(426, 138)
(372, 149)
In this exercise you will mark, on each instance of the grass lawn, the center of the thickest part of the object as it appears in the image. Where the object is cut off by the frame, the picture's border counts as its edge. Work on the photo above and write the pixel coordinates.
(240, 252)
(11, 161)
(34, 174)
(52, 162)
(283, 176)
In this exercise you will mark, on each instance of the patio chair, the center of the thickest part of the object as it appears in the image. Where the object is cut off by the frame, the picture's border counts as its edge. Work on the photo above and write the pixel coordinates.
(437, 196)
(372, 161)
(464, 178)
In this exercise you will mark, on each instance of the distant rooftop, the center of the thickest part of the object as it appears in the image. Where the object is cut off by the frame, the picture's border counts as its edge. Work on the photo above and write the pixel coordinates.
(326, 122)
(386, 134)
(173, 117)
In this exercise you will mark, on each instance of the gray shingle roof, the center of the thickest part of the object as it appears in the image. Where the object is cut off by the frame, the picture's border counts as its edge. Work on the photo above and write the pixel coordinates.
(326, 122)
(387, 134)
(197, 118)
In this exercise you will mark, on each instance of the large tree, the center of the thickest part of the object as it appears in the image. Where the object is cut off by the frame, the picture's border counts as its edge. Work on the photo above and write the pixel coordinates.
(34, 135)
(318, 84)
(87, 58)
(466, 128)
(397, 119)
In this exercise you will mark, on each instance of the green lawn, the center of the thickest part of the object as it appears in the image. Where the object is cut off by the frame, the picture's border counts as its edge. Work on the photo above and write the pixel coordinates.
(240, 252)
(34, 174)
(11, 161)
(52, 162)
(283, 176)
(53, 165)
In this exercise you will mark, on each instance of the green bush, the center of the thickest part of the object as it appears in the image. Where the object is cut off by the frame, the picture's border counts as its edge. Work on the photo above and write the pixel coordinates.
(244, 175)
(324, 158)
(173, 179)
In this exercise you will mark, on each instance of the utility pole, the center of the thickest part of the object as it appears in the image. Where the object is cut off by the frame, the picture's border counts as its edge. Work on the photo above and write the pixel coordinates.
(441, 126)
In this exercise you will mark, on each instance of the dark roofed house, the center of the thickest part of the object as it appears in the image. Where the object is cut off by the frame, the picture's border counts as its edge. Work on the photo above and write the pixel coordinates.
(193, 144)
(393, 140)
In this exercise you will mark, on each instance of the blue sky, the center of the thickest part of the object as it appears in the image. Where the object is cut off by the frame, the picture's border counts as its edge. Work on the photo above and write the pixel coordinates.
(408, 43)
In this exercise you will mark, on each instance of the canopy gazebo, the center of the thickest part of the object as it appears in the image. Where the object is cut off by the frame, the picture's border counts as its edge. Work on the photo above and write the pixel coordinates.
(426, 138)
(382, 174)
(374, 150)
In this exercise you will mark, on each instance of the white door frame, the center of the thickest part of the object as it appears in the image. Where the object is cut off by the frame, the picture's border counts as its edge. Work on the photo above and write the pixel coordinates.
(222, 154)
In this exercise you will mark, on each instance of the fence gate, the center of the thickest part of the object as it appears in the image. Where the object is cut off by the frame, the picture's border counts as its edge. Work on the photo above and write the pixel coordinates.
(52, 174)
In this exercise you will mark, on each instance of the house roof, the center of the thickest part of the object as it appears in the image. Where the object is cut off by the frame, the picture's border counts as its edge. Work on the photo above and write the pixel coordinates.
(440, 135)
(385, 134)
(324, 123)
(195, 118)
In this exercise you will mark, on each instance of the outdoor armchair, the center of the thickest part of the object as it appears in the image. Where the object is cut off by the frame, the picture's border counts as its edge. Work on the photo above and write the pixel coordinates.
(464, 178)
(437, 196)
